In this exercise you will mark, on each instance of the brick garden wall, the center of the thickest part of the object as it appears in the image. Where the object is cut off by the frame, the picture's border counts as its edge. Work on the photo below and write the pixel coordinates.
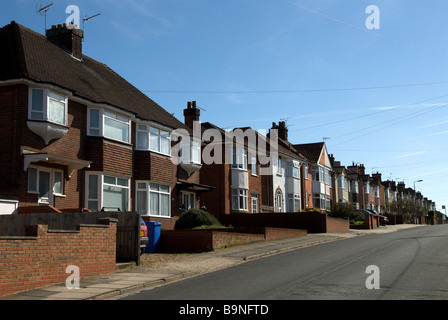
(41, 258)
(208, 240)
(310, 221)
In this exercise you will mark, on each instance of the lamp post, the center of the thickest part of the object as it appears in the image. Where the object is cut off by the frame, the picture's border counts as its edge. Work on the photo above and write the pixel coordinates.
(415, 202)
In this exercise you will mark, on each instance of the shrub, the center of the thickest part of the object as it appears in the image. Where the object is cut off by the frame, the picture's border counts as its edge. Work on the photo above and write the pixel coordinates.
(194, 218)
(340, 210)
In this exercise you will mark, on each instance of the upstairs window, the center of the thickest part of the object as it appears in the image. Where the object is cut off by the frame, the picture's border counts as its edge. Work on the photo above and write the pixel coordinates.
(153, 139)
(239, 159)
(46, 105)
(109, 125)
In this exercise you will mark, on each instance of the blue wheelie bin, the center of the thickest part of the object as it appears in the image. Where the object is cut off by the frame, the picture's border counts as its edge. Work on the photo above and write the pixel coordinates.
(153, 236)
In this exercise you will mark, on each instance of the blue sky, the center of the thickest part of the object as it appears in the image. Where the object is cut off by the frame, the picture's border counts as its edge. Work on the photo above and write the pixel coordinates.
(378, 97)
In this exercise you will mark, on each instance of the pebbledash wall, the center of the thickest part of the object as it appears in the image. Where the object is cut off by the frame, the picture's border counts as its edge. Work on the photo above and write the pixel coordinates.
(42, 256)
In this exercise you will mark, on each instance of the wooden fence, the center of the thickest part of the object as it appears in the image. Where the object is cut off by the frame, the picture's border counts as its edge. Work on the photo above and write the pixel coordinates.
(128, 227)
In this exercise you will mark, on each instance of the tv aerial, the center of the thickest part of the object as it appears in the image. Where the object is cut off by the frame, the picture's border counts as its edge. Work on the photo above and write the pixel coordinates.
(85, 20)
(43, 11)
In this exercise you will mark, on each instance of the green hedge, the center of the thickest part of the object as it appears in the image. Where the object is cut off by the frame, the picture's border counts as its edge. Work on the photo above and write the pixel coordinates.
(194, 218)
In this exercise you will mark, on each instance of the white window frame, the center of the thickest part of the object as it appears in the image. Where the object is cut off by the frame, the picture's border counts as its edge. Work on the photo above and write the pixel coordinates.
(146, 128)
(305, 171)
(366, 188)
(279, 166)
(239, 158)
(148, 191)
(255, 202)
(253, 166)
(188, 195)
(46, 97)
(240, 199)
(104, 114)
(294, 202)
(100, 189)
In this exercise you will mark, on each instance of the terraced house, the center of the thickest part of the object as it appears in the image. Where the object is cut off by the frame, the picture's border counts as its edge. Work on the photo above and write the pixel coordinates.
(77, 135)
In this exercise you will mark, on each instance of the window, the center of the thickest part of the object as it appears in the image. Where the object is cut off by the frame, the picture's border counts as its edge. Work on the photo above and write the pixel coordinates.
(107, 192)
(153, 199)
(255, 203)
(305, 171)
(239, 159)
(327, 177)
(366, 188)
(46, 105)
(109, 125)
(294, 169)
(377, 192)
(318, 174)
(294, 203)
(341, 182)
(355, 186)
(387, 193)
(153, 139)
(45, 182)
(254, 166)
(279, 166)
(319, 200)
(195, 152)
(115, 193)
(239, 199)
(188, 200)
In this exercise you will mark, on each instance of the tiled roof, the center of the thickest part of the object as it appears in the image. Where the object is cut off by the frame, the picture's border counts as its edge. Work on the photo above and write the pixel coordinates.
(310, 151)
(26, 54)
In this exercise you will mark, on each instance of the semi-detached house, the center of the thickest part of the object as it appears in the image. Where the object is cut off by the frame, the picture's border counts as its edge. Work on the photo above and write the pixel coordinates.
(77, 135)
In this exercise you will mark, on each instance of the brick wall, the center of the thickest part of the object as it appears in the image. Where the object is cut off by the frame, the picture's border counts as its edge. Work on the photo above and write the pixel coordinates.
(41, 258)
(310, 221)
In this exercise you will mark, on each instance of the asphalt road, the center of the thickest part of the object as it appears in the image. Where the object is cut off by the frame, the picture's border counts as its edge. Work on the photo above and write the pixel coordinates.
(406, 265)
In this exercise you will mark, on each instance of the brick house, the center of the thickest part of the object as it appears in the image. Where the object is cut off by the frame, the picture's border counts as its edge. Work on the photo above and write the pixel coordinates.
(77, 135)
(289, 184)
(340, 182)
(317, 155)
(233, 170)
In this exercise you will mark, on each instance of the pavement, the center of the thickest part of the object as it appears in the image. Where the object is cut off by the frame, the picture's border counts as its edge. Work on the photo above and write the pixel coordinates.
(128, 279)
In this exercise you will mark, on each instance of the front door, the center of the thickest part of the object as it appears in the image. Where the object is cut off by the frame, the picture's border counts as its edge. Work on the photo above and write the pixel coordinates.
(45, 190)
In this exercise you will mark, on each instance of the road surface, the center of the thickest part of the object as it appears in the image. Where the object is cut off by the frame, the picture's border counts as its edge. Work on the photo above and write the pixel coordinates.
(409, 264)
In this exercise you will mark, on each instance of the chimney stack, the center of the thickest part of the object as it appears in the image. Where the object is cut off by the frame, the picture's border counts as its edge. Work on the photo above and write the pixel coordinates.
(282, 130)
(68, 38)
(191, 114)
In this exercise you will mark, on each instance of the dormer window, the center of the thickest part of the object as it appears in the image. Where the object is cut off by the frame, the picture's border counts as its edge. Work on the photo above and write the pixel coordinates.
(46, 105)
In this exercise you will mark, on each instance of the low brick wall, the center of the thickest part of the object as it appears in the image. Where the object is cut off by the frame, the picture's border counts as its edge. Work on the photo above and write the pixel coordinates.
(312, 222)
(41, 257)
(191, 241)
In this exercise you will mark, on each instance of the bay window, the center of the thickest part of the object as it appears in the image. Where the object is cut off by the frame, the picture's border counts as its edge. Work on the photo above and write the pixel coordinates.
(109, 125)
(153, 139)
(46, 105)
(107, 192)
(153, 199)
(239, 159)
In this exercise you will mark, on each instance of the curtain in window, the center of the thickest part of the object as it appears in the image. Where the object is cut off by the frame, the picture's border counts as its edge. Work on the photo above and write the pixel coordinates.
(116, 130)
